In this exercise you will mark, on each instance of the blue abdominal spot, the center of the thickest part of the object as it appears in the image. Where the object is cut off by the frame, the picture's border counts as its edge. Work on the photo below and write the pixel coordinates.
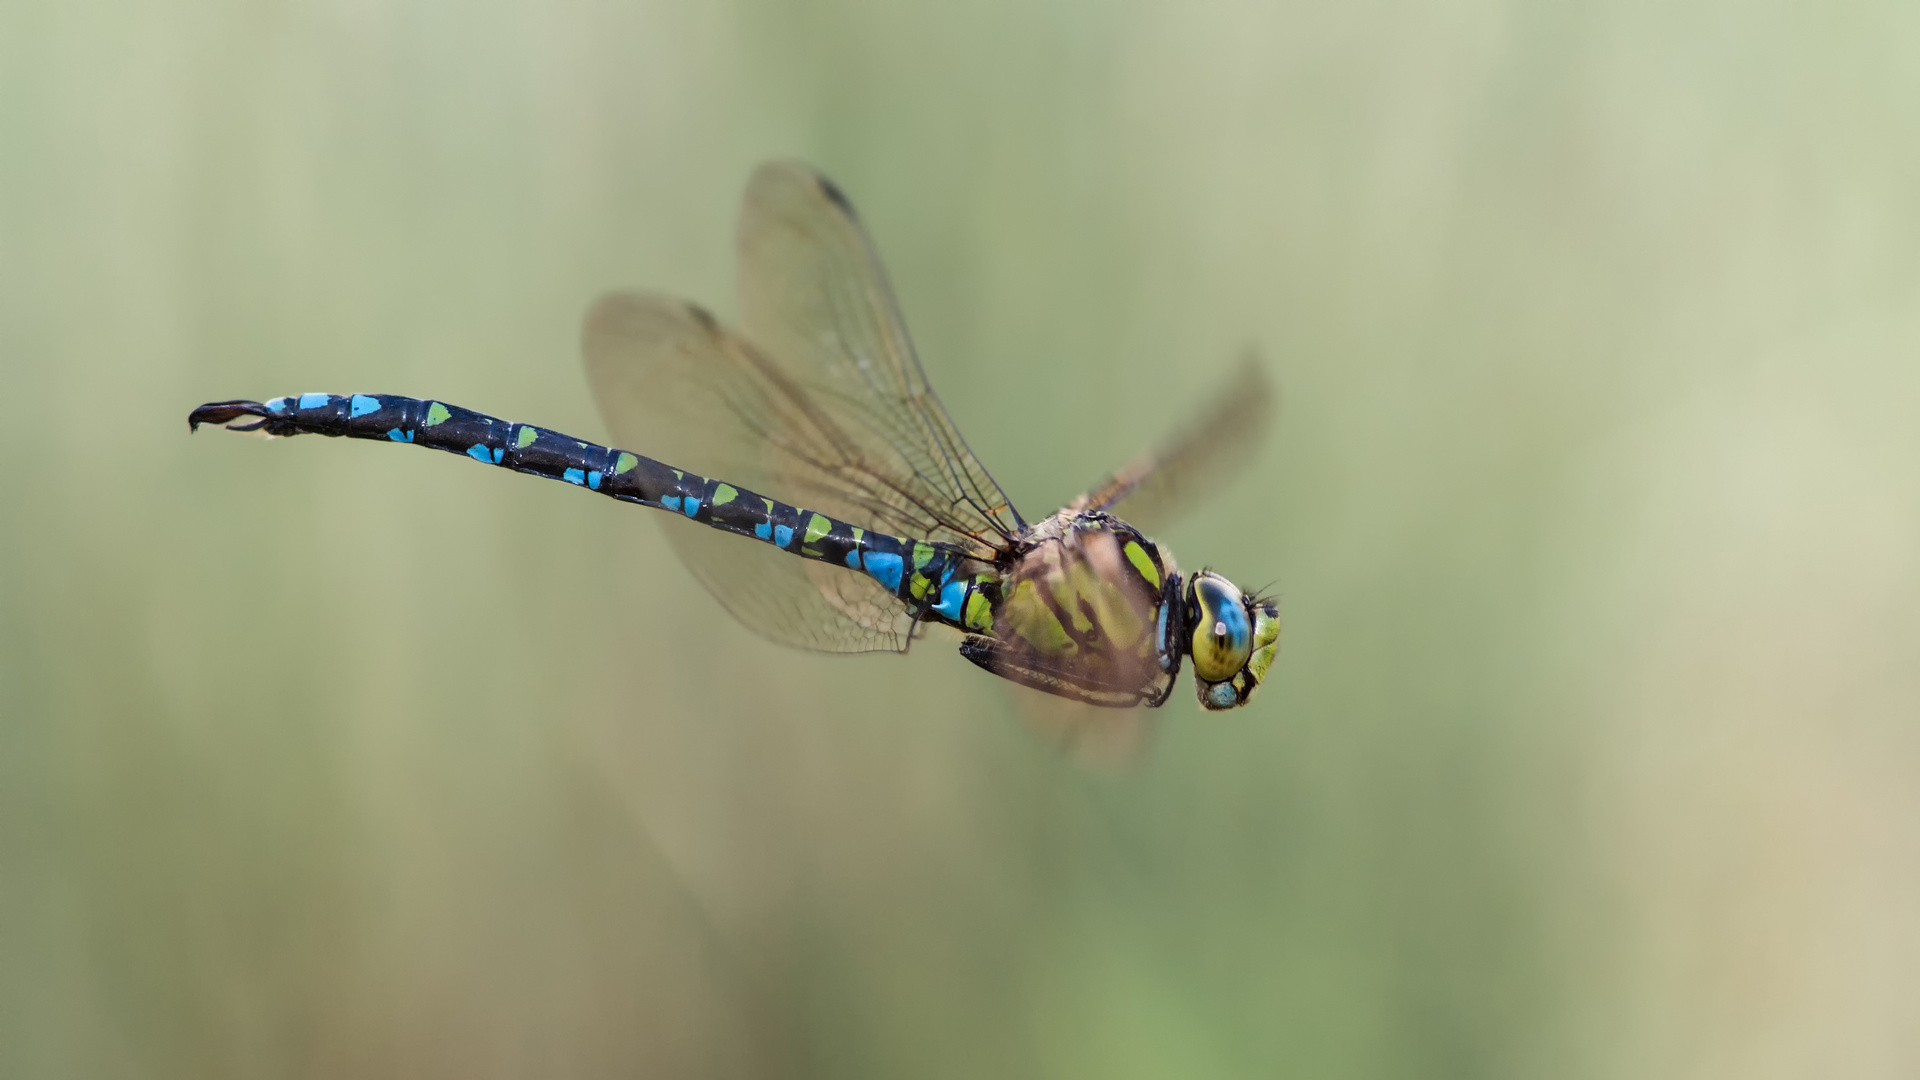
(399, 436)
(782, 535)
(480, 453)
(952, 599)
(671, 502)
(692, 507)
(886, 569)
(574, 476)
(313, 401)
(362, 405)
(764, 531)
(593, 479)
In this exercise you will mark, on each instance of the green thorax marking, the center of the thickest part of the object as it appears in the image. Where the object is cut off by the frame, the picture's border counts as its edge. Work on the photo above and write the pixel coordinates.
(1142, 562)
(1029, 617)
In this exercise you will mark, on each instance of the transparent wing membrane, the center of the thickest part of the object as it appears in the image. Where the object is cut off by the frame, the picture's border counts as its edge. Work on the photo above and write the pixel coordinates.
(821, 404)
(1101, 739)
(1078, 620)
(814, 296)
(787, 600)
(671, 383)
(1198, 460)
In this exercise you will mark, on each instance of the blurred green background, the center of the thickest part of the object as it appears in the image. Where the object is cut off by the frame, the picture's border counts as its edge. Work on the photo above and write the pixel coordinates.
(1591, 751)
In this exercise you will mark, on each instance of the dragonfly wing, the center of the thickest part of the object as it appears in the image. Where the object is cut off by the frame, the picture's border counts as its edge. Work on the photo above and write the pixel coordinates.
(1079, 619)
(815, 297)
(791, 601)
(1201, 457)
(1100, 739)
(671, 382)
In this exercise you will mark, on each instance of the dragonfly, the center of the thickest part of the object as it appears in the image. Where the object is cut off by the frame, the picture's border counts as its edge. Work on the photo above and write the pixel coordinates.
(894, 527)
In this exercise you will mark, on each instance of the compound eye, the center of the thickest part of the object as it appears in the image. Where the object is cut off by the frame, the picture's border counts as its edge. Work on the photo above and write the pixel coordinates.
(1223, 636)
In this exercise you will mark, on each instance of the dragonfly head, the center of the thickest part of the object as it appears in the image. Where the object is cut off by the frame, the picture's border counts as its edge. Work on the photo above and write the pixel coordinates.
(1232, 638)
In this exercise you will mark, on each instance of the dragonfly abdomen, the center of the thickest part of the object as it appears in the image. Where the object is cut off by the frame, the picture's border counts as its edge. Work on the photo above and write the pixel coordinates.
(919, 572)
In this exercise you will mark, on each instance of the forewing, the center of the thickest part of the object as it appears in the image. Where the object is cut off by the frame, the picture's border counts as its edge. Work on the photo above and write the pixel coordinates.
(672, 384)
(815, 298)
(1199, 459)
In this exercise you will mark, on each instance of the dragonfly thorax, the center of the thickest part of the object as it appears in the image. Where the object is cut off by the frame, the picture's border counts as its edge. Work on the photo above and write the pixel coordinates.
(1086, 609)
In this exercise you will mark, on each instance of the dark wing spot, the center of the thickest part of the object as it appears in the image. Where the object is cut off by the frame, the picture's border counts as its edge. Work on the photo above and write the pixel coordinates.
(835, 195)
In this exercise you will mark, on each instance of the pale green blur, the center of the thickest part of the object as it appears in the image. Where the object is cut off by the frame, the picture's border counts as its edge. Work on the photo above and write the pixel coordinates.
(1591, 746)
